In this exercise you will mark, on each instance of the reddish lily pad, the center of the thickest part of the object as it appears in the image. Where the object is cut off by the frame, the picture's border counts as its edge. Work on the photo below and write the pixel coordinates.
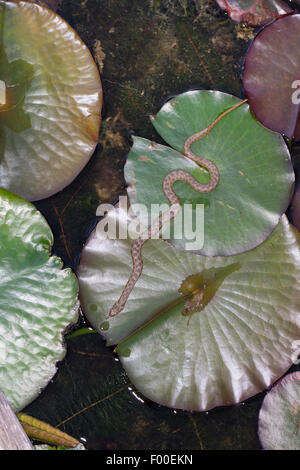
(254, 12)
(272, 76)
(50, 119)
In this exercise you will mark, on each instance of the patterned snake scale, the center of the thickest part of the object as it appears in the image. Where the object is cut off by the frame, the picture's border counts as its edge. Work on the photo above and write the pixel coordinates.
(169, 180)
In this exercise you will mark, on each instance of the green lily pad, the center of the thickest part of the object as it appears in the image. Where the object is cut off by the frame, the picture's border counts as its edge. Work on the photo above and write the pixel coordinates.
(38, 300)
(237, 343)
(256, 174)
(279, 417)
(50, 117)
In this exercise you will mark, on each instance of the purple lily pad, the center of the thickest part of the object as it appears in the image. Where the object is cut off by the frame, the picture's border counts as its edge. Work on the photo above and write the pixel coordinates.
(272, 76)
(254, 12)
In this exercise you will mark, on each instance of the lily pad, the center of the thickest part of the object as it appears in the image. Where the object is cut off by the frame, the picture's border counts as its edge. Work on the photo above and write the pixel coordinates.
(254, 12)
(279, 417)
(235, 345)
(38, 300)
(111, 414)
(256, 174)
(50, 119)
(271, 76)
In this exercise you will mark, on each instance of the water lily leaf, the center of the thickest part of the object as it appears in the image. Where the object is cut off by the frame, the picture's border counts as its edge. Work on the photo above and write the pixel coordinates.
(256, 174)
(279, 417)
(233, 346)
(110, 414)
(50, 119)
(38, 300)
(271, 76)
(254, 12)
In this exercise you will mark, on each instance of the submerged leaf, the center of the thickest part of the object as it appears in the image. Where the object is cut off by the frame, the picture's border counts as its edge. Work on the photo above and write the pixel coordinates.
(38, 300)
(237, 344)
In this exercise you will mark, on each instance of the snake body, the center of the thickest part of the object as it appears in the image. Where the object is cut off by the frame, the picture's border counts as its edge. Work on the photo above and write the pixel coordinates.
(169, 180)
